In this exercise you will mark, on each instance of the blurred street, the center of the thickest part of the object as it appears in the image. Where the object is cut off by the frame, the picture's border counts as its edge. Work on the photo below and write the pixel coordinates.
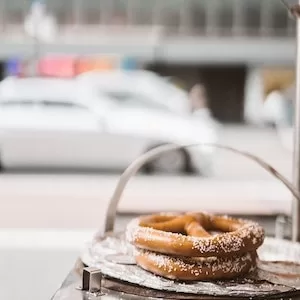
(237, 179)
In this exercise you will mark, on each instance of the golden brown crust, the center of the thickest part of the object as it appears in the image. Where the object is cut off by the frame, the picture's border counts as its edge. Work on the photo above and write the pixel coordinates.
(187, 235)
(188, 269)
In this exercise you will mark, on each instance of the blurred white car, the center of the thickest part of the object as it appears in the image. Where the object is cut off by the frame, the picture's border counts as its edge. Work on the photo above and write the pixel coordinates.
(144, 85)
(56, 123)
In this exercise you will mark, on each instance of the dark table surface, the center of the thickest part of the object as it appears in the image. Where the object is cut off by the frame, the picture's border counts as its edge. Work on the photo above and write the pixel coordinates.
(114, 289)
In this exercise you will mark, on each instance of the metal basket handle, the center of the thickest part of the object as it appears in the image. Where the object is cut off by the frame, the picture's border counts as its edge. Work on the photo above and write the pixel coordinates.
(134, 167)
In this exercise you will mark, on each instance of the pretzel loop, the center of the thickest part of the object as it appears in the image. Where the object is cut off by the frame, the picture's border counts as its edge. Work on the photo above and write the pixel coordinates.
(184, 247)
(187, 235)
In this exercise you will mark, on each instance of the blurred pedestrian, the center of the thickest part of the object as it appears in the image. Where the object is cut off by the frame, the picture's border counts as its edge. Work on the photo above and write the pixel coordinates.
(199, 105)
(274, 107)
(198, 98)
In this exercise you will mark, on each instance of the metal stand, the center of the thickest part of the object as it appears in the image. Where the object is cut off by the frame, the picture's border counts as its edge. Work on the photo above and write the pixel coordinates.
(148, 156)
(296, 161)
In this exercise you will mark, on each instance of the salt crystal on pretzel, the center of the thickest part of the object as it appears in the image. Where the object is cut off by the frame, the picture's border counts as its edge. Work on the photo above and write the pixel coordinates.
(169, 234)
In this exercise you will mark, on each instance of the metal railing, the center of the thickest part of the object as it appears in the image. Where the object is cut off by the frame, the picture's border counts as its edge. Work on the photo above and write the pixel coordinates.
(255, 18)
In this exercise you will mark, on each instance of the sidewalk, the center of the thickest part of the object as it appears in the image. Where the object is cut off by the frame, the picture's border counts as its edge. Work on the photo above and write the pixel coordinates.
(81, 201)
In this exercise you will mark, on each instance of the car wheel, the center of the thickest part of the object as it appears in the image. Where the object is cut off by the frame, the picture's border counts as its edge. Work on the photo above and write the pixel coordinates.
(176, 161)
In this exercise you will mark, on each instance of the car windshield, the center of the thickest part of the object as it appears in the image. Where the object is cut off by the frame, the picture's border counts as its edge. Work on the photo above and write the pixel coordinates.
(162, 85)
(162, 91)
(129, 99)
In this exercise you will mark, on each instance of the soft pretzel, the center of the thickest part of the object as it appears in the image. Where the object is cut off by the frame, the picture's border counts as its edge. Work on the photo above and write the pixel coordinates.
(187, 269)
(187, 235)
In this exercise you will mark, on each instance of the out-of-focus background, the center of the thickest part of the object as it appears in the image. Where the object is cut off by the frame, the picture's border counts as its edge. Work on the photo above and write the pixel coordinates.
(87, 86)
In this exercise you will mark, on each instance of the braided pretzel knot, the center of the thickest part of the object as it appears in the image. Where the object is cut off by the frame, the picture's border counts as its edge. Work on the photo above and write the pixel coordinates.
(195, 253)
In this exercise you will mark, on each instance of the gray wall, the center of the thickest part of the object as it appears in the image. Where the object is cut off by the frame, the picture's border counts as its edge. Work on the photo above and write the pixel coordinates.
(184, 51)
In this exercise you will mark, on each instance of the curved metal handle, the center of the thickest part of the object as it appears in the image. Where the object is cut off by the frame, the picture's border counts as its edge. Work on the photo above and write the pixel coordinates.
(146, 157)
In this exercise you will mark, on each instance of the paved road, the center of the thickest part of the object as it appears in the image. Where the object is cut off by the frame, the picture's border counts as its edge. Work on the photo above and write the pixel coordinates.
(64, 210)
(78, 200)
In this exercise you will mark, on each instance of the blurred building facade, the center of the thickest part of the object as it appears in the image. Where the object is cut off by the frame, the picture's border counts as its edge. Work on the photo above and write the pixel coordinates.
(225, 44)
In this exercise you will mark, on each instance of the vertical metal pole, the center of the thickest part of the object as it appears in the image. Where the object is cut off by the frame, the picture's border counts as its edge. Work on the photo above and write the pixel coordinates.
(296, 161)
(77, 13)
(211, 10)
(238, 15)
(265, 18)
(129, 12)
(184, 25)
